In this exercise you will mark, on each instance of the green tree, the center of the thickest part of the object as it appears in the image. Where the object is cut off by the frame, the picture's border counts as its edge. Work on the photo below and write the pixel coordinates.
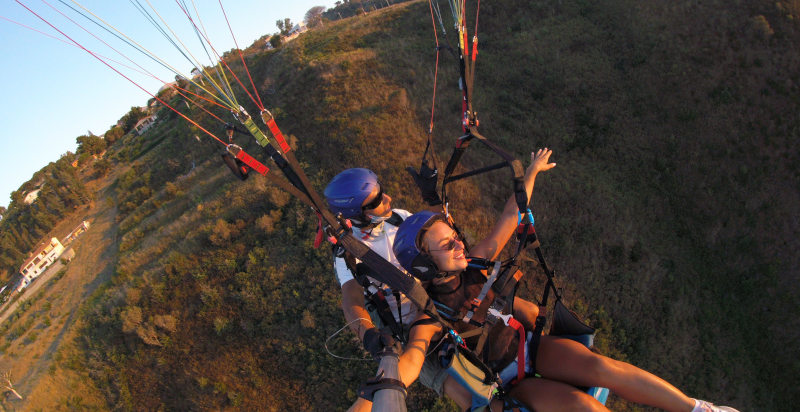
(285, 26)
(131, 118)
(113, 134)
(101, 167)
(275, 40)
(90, 144)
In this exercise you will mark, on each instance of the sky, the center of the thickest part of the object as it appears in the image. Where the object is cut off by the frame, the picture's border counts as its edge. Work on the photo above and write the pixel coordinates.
(55, 91)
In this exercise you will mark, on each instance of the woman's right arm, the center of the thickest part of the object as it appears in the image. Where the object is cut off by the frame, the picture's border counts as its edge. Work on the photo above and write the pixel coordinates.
(506, 223)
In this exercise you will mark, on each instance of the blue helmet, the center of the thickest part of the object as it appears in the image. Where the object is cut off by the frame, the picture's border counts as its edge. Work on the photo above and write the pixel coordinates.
(407, 245)
(348, 190)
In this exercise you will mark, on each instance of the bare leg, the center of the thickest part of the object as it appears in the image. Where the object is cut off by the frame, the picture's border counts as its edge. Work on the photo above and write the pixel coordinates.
(544, 395)
(361, 405)
(568, 361)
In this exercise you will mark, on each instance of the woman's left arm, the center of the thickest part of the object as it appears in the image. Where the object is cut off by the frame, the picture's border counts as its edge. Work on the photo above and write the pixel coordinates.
(419, 340)
(491, 246)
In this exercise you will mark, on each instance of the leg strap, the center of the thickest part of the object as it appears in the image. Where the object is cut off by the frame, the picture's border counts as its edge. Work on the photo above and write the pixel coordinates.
(533, 345)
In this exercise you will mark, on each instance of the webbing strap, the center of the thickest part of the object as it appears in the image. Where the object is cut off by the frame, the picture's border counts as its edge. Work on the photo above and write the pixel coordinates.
(476, 172)
(259, 167)
(387, 273)
(487, 325)
(471, 333)
(367, 391)
(505, 287)
(269, 120)
(247, 121)
(386, 315)
(520, 350)
(476, 302)
(252, 162)
(533, 345)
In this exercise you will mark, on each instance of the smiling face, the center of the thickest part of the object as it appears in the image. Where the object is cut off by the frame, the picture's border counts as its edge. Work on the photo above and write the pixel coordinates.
(384, 205)
(442, 244)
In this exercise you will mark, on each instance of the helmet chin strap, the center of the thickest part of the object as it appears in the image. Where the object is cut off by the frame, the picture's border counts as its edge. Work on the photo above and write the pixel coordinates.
(366, 222)
(445, 275)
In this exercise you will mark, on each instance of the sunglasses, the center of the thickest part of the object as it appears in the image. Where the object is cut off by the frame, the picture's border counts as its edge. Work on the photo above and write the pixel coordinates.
(375, 202)
(450, 245)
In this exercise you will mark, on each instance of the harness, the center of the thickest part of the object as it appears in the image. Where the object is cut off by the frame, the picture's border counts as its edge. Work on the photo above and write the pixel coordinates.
(493, 303)
(373, 293)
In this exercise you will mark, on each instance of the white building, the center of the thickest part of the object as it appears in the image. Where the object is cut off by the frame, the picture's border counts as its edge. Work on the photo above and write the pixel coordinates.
(296, 30)
(31, 196)
(84, 226)
(144, 124)
(43, 257)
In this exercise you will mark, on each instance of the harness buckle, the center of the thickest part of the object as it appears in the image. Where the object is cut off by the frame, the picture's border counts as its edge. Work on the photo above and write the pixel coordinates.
(505, 318)
(458, 339)
(527, 217)
(233, 149)
(266, 116)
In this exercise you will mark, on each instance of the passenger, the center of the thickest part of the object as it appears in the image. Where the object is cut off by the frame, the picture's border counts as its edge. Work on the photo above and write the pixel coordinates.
(428, 247)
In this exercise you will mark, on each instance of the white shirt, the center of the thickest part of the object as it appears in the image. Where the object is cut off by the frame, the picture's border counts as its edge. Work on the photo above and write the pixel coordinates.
(380, 240)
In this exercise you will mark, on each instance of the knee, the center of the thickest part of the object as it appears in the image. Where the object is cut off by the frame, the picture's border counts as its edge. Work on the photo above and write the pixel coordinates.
(545, 395)
(603, 369)
(587, 403)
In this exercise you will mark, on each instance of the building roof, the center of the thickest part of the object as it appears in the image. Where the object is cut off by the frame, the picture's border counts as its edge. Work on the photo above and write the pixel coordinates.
(143, 121)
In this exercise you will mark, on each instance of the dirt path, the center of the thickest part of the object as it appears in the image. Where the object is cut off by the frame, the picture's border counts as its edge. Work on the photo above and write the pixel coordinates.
(38, 377)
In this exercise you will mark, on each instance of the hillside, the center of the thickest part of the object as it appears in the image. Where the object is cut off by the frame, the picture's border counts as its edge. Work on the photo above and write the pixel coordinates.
(670, 218)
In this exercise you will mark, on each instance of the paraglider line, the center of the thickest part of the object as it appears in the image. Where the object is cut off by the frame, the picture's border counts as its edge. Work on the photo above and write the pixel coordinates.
(120, 73)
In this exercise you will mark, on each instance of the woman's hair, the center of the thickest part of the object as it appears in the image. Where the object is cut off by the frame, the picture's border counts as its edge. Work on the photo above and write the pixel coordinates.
(408, 244)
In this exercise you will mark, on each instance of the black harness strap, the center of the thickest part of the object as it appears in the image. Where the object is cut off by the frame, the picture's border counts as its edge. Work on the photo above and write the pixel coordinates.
(394, 219)
(424, 321)
(238, 167)
(376, 300)
(385, 313)
(387, 273)
(367, 391)
(360, 272)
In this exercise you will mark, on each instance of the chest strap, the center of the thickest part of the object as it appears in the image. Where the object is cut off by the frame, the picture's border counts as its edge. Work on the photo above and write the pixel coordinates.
(476, 302)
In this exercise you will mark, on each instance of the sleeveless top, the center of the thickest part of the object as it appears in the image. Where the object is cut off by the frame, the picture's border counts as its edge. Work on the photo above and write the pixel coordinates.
(453, 301)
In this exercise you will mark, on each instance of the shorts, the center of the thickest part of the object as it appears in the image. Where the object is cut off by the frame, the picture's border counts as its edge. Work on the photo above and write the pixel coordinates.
(432, 375)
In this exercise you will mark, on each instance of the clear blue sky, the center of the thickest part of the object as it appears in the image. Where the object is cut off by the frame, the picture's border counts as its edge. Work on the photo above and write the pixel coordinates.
(55, 92)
